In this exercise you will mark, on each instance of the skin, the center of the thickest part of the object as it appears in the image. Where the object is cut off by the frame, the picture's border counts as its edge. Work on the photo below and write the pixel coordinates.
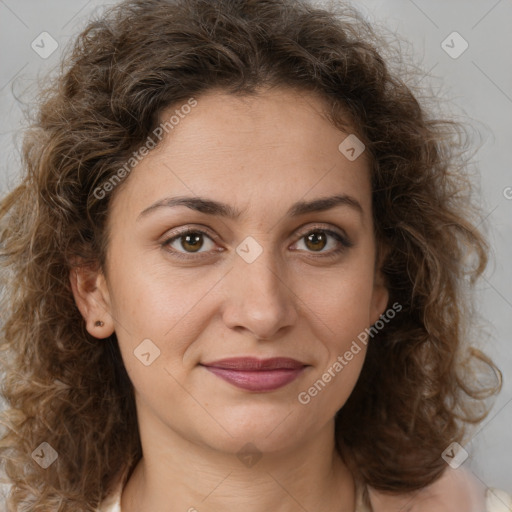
(457, 490)
(259, 154)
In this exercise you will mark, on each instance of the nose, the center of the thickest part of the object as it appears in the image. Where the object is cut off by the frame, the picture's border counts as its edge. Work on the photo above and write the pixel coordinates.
(259, 299)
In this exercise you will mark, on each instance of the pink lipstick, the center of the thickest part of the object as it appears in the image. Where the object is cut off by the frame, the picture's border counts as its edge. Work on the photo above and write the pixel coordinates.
(255, 374)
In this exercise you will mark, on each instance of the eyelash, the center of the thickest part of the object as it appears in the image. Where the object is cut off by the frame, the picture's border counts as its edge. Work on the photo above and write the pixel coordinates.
(343, 241)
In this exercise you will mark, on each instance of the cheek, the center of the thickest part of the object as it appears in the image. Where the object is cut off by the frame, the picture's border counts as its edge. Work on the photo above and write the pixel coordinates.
(328, 390)
(160, 314)
(152, 301)
(340, 301)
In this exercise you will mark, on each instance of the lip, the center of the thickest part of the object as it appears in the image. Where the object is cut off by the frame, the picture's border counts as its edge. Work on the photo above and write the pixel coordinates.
(254, 374)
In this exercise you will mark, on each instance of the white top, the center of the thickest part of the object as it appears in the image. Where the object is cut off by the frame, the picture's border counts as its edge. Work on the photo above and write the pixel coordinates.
(496, 501)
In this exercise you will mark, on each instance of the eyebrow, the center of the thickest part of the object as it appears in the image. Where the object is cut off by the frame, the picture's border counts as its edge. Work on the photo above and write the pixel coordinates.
(211, 207)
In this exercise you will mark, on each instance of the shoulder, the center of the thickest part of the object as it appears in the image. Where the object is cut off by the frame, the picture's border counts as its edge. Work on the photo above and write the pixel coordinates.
(456, 491)
(111, 504)
(498, 501)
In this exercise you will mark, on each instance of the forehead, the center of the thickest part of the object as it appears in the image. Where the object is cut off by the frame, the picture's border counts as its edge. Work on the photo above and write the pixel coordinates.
(268, 149)
(270, 118)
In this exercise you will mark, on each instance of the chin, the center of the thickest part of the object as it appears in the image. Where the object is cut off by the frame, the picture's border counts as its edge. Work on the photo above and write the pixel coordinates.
(268, 429)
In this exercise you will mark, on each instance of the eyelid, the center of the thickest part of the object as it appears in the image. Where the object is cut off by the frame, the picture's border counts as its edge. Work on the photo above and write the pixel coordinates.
(190, 228)
(323, 227)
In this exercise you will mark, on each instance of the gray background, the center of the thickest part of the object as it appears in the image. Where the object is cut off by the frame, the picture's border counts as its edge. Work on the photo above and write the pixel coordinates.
(478, 85)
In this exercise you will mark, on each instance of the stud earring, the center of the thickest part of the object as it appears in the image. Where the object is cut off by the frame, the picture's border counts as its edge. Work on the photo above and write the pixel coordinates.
(99, 323)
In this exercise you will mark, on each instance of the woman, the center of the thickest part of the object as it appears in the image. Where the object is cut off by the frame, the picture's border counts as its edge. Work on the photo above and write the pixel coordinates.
(235, 274)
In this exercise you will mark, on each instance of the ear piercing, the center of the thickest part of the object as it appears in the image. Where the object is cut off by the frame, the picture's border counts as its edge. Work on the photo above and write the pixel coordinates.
(99, 323)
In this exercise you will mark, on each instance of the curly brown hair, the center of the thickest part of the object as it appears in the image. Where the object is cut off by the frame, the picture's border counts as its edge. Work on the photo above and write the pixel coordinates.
(416, 393)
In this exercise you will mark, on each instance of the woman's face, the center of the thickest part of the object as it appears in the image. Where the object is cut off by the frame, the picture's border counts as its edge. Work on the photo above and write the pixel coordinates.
(264, 276)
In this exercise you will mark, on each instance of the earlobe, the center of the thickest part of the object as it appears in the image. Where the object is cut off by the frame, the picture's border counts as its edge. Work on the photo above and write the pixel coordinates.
(91, 297)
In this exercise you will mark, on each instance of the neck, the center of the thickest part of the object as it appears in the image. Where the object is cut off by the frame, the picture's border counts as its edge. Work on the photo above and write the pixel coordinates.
(177, 474)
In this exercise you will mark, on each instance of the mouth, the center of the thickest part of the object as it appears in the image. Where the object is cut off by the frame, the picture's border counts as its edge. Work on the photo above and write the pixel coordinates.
(258, 375)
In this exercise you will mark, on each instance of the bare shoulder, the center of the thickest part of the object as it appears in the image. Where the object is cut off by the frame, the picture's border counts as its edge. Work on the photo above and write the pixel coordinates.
(456, 491)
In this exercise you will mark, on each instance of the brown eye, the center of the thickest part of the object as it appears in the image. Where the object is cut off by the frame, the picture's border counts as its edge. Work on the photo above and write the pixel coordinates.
(189, 242)
(319, 239)
(316, 240)
(192, 242)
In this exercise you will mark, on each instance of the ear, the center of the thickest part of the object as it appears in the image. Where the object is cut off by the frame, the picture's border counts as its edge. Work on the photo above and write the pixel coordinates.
(380, 299)
(92, 299)
(380, 296)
